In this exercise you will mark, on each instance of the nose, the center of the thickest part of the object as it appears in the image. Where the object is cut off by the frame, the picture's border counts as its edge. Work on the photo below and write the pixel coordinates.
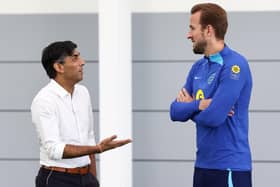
(82, 62)
(189, 36)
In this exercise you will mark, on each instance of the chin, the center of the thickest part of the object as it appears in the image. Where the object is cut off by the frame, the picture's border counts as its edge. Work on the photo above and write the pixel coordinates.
(198, 51)
(79, 80)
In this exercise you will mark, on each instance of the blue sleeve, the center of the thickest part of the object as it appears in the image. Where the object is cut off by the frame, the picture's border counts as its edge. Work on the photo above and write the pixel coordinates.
(183, 111)
(229, 88)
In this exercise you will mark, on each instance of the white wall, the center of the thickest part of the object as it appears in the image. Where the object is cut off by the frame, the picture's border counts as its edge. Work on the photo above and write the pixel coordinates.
(91, 6)
(185, 5)
(48, 6)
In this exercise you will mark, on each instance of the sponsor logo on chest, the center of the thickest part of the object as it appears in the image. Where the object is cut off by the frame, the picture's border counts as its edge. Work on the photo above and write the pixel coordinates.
(211, 78)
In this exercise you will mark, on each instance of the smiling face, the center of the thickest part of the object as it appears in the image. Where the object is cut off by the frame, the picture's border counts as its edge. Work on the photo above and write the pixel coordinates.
(197, 34)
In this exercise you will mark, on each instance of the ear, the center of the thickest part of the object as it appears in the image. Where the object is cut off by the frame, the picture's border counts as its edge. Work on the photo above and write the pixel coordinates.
(59, 68)
(210, 30)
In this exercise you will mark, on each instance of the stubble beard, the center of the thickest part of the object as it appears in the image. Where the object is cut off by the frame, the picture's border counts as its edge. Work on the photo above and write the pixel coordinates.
(200, 47)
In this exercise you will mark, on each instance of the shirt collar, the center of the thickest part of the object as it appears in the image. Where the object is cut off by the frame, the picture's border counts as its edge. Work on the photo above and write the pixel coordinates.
(218, 57)
(58, 89)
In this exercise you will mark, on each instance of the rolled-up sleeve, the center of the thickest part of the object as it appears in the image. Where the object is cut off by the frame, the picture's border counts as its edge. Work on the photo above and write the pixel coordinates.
(47, 126)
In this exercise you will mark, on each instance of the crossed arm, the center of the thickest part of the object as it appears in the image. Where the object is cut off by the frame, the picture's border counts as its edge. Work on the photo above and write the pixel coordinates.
(184, 96)
(185, 106)
(213, 111)
(210, 112)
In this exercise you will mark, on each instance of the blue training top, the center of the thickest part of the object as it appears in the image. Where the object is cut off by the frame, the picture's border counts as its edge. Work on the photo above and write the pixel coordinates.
(222, 141)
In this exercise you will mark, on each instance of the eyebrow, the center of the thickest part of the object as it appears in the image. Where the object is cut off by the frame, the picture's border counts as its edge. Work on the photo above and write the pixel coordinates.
(76, 54)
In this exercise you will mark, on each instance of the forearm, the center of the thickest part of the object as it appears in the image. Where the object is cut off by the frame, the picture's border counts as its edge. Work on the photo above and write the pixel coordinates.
(209, 119)
(214, 114)
(72, 151)
(183, 111)
(92, 164)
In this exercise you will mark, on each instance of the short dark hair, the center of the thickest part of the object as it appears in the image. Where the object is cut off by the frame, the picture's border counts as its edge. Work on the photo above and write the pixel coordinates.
(56, 52)
(212, 14)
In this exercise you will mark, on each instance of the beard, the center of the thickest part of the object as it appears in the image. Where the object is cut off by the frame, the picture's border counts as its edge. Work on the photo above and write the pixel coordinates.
(200, 47)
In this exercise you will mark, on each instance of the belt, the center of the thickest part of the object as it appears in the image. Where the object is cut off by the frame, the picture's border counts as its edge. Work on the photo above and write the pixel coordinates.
(80, 170)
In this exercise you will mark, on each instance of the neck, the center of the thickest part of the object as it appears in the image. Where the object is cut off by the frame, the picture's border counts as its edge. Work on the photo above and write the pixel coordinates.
(214, 47)
(67, 85)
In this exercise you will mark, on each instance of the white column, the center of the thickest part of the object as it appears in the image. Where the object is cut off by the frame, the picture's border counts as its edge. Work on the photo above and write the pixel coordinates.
(115, 85)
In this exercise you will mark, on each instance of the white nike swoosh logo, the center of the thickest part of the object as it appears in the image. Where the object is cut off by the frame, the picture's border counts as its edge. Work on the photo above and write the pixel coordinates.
(197, 78)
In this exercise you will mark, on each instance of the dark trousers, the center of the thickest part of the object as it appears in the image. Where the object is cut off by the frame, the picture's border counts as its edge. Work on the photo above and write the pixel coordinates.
(221, 178)
(48, 178)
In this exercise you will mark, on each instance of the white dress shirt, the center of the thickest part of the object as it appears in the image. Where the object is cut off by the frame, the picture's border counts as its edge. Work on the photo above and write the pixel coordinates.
(61, 119)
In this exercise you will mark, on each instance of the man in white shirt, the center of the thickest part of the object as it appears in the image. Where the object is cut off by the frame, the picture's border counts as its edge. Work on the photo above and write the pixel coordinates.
(62, 115)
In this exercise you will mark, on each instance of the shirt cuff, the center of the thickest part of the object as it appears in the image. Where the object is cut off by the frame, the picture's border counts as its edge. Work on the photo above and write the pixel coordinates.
(57, 153)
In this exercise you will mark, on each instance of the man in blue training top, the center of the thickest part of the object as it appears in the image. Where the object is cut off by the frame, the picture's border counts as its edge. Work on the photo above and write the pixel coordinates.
(216, 97)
